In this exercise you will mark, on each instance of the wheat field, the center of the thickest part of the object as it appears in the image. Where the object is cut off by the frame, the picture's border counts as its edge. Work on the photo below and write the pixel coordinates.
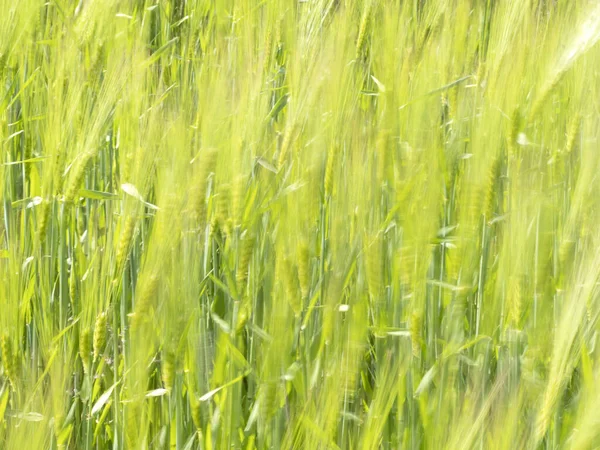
(313, 224)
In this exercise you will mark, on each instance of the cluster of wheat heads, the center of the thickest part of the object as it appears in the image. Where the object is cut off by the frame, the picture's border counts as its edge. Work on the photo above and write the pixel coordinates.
(309, 224)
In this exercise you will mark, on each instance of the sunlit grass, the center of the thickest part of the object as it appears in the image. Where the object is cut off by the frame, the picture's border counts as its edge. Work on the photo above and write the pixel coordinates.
(301, 224)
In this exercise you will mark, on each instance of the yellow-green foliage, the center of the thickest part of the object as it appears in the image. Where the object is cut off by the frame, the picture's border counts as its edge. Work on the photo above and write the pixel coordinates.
(299, 224)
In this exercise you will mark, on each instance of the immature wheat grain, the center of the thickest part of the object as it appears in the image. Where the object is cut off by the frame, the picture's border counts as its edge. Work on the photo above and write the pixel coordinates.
(304, 269)
(99, 335)
(547, 408)
(195, 410)
(245, 254)
(57, 173)
(238, 193)
(572, 134)
(491, 188)
(288, 139)
(44, 217)
(125, 241)
(329, 169)
(206, 162)
(85, 348)
(514, 300)
(77, 173)
(222, 208)
(168, 369)
(243, 315)
(9, 360)
(144, 301)
(516, 123)
(416, 324)
(363, 28)
(267, 51)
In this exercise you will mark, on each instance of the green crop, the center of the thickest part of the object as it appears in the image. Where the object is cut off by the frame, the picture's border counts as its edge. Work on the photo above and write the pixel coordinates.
(299, 224)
